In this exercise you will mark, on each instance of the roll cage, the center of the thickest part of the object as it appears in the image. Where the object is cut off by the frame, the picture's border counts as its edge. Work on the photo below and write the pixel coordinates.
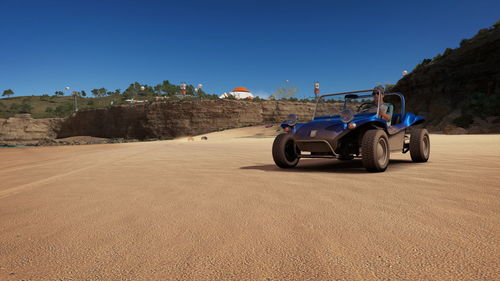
(352, 95)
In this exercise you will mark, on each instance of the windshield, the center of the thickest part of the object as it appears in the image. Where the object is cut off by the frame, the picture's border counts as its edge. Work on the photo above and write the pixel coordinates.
(331, 105)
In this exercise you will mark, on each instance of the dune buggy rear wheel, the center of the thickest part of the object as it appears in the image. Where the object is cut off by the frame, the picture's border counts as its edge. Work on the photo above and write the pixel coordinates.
(420, 145)
(375, 150)
(285, 152)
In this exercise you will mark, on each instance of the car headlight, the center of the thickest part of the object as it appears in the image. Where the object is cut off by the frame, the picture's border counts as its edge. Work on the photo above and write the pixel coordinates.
(346, 116)
(291, 120)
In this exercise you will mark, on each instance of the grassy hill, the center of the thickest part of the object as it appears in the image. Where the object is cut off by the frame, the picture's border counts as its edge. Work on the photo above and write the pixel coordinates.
(62, 106)
(52, 106)
(46, 106)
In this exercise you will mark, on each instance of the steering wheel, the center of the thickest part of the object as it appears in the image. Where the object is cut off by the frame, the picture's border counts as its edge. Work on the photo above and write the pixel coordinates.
(360, 108)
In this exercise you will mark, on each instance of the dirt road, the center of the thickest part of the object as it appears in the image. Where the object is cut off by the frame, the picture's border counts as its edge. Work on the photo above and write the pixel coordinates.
(221, 210)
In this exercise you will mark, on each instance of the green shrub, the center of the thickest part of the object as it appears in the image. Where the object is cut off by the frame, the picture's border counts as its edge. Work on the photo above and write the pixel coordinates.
(496, 24)
(447, 52)
(14, 108)
(389, 88)
(483, 31)
(423, 63)
(25, 108)
(64, 110)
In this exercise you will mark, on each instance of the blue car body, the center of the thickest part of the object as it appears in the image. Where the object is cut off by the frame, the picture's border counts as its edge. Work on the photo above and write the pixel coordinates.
(329, 137)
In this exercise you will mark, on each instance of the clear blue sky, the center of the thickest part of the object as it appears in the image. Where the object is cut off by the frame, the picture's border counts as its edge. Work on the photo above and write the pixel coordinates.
(47, 45)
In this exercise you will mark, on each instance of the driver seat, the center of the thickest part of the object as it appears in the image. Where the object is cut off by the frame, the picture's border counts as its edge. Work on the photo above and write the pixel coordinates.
(396, 118)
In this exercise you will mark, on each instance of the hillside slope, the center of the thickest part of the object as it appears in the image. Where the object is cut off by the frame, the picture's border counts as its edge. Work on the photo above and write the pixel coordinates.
(460, 87)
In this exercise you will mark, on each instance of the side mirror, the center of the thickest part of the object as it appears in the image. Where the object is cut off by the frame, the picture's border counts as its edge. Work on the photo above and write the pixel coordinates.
(291, 119)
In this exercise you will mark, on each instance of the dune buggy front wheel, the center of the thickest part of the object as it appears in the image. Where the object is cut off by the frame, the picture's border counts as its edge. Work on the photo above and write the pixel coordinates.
(375, 150)
(285, 152)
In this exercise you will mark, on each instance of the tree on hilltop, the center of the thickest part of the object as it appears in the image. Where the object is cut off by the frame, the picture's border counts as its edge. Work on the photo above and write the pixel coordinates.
(99, 92)
(169, 89)
(158, 90)
(136, 89)
(7, 93)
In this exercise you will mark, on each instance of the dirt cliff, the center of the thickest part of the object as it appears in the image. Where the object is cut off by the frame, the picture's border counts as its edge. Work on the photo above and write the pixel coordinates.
(24, 130)
(163, 120)
(159, 120)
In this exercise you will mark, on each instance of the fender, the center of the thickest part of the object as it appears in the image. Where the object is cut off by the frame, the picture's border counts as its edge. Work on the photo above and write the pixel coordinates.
(411, 119)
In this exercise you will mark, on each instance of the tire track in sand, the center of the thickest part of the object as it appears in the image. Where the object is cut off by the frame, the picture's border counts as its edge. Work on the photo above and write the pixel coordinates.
(17, 189)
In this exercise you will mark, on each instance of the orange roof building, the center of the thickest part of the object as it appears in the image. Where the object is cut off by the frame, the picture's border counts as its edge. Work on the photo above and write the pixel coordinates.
(240, 89)
(238, 93)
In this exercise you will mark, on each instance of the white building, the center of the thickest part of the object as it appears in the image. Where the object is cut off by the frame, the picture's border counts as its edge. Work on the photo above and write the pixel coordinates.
(239, 93)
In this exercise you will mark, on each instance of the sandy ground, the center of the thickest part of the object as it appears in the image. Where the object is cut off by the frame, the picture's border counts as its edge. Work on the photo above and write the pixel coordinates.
(221, 210)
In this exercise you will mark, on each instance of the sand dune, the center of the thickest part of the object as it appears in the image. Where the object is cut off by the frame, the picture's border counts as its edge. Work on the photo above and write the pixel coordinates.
(221, 210)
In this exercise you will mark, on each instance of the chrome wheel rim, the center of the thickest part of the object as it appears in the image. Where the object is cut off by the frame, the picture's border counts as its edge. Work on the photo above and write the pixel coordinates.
(426, 146)
(382, 150)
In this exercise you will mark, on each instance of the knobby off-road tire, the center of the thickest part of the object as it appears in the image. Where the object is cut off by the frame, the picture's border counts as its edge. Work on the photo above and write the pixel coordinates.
(285, 152)
(375, 150)
(420, 145)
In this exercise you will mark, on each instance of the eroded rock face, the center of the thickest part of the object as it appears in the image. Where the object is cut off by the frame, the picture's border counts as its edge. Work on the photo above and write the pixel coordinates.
(277, 111)
(164, 120)
(178, 118)
(160, 120)
(113, 122)
(24, 130)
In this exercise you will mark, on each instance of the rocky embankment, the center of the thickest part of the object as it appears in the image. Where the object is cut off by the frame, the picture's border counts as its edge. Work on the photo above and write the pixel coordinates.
(165, 120)
(159, 120)
(24, 130)
(441, 88)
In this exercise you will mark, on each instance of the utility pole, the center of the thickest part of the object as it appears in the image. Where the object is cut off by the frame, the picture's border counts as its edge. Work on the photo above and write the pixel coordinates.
(75, 95)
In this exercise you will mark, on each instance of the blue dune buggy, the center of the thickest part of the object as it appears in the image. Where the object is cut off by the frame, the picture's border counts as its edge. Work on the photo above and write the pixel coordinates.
(348, 125)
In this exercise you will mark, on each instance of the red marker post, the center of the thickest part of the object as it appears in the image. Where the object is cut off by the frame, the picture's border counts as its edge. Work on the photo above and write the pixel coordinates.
(316, 89)
(183, 88)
